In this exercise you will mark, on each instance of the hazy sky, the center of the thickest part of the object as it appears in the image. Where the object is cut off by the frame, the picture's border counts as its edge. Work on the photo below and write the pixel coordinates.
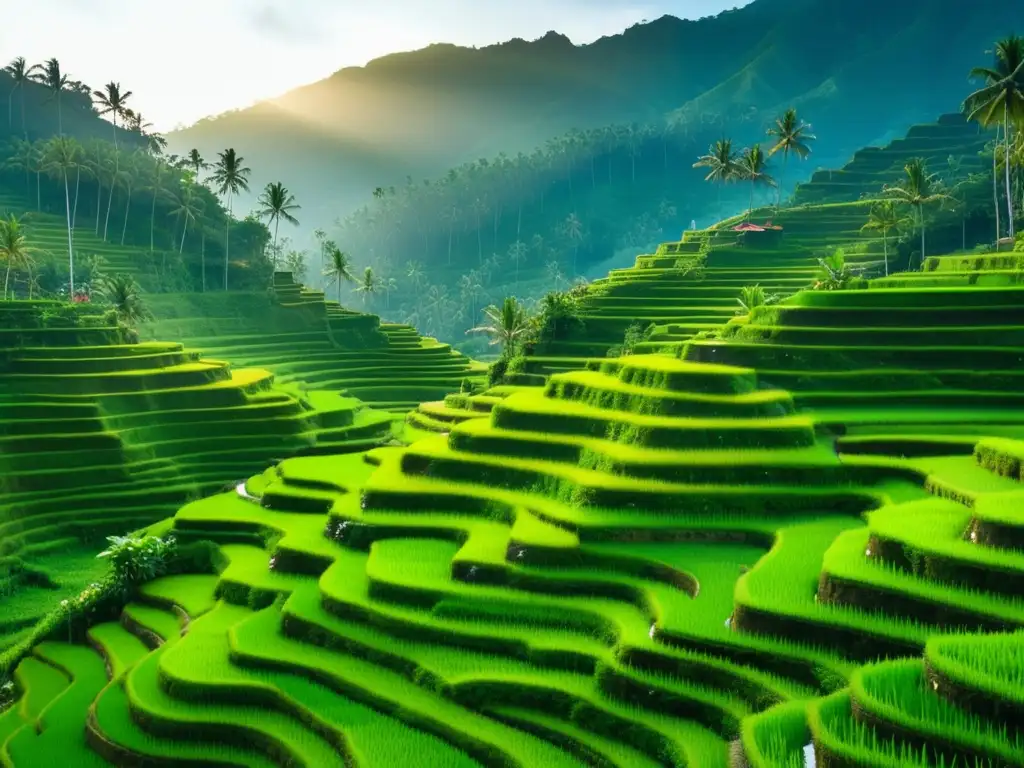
(193, 58)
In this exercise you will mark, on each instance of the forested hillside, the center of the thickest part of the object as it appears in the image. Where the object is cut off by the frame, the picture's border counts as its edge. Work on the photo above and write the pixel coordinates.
(423, 112)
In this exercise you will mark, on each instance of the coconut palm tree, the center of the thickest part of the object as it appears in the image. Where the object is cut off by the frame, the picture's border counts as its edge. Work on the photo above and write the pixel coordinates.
(753, 167)
(792, 136)
(1001, 100)
(339, 267)
(504, 325)
(21, 74)
(414, 272)
(517, 252)
(721, 163)
(573, 229)
(368, 285)
(197, 163)
(22, 157)
(231, 177)
(15, 251)
(277, 203)
(919, 190)
(125, 296)
(884, 218)
(114, 102)
(56, 82)
(61, 155)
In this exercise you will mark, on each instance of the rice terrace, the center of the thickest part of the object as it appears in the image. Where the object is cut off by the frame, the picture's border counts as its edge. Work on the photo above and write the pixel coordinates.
(656, 400)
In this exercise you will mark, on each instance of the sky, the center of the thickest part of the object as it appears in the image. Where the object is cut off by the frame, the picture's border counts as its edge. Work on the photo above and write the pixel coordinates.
(204, 57)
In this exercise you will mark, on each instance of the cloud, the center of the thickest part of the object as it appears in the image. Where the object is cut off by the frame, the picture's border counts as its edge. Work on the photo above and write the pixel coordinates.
(292, 26)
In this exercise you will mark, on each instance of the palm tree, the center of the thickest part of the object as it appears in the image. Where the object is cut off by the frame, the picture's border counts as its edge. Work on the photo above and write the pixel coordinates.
(158, 190)
(792, 135)
(504, 325)
(112, 101)
(277, 204)
(918, 190)
(414, 271)
(189, 206)
(339, 267)
(753, 167)
(231, 177)
(56, 83)
(1001, 100)
(884, 218)
(721, 163)
(124, 295)
(22, 157)
(574, 231)
(368, 285)
(14, 249)
(197, 163)
(61, 155)
(387, 284)
(517, 252)
(129, 174)
(20, 73)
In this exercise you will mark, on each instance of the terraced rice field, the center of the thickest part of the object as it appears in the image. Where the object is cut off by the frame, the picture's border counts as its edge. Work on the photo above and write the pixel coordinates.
(98, 437)
(649, 562)
(48, 233)
(871, 167)
(308, 341)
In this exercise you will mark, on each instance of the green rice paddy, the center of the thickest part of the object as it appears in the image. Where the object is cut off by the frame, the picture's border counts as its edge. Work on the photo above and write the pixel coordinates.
(800, 539)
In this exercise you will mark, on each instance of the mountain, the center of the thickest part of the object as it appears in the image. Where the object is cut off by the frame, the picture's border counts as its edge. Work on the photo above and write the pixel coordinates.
(857, 70)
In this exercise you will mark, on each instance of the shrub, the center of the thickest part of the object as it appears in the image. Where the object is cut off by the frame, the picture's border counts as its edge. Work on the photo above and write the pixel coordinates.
(835, 274)
(138, 559)
(635, 334)
(753, 296)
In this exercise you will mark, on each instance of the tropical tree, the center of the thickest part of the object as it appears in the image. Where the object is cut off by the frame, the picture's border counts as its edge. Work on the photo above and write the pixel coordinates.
(573, 229)
(114, 102)
(56, 82)
(414, 272)
(21, 74)
(753, 167)
(883, 217)
(517, 252)
(792, 136)
(277, 203)
(721, 163)
(918, 190)
(60, 156)
(368, 285)
(15, 252)
(1001, 100)
(188, 207)
(125, 296)
(158, 189)
(339, 267)
(231, 177)
(505, 325)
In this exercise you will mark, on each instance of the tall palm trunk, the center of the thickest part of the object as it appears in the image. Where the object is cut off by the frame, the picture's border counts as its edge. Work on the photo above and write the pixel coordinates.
(202, 259)
(7, 277)
(227, 241)
(60, 118)
(920, 215)
(995, 186)
(71, 254)
(885, 249)
(181, 248)
(152, 221)
(778, 187)
(110, 202)
(127, 206)
(74, 208)
(1006, 162)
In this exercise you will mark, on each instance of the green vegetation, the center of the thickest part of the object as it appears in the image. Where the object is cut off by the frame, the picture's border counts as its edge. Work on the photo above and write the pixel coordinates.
(665, 533)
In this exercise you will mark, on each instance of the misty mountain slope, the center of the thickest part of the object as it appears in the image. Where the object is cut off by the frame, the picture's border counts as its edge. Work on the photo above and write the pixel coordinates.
(859, 70)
